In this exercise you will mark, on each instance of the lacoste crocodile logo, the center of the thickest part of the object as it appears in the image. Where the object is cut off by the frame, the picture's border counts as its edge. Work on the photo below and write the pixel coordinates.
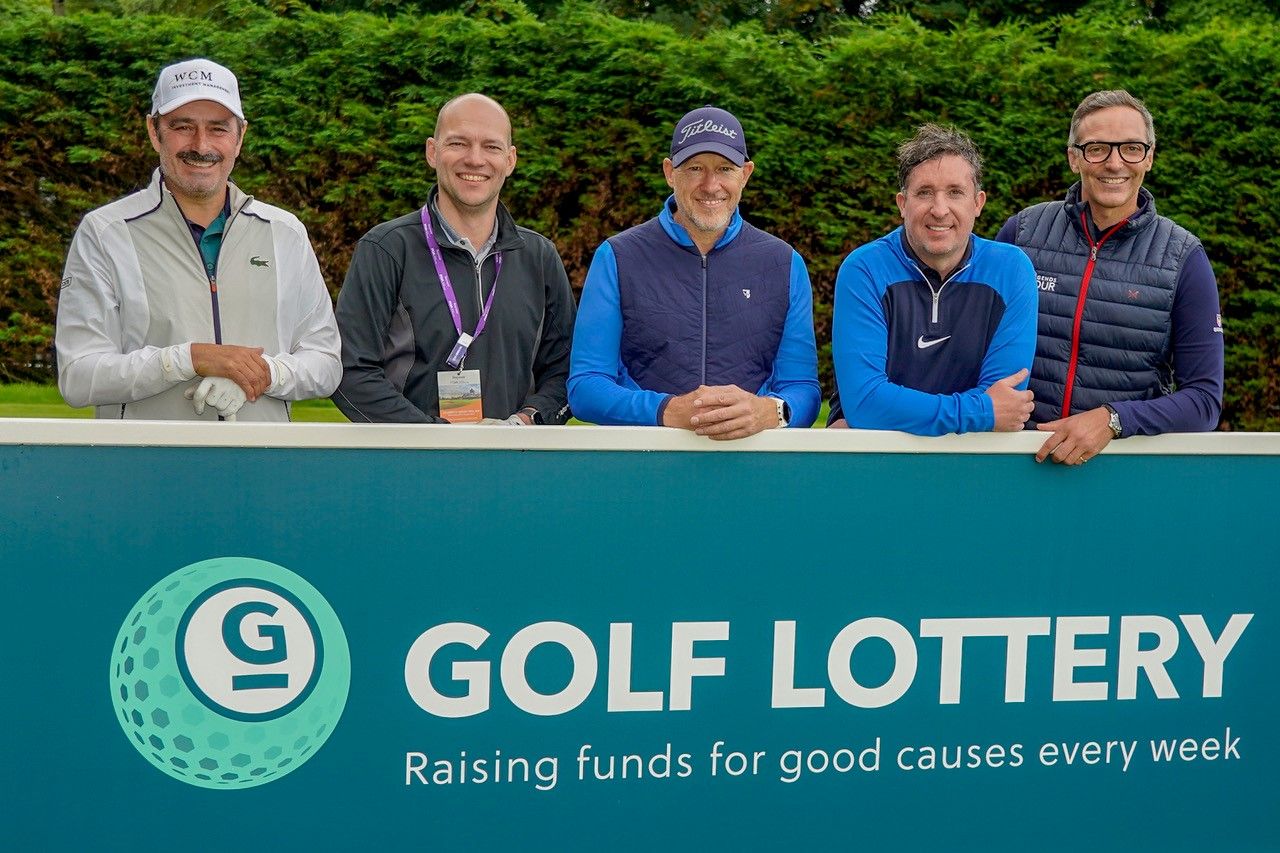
(259, 262)
(923, 344)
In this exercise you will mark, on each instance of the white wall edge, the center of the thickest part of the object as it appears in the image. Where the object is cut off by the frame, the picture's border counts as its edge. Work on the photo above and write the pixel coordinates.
(55, 431)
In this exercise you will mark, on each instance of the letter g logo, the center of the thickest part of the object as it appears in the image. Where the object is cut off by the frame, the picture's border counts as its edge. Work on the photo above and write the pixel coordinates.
(277, 652)
(249, 649)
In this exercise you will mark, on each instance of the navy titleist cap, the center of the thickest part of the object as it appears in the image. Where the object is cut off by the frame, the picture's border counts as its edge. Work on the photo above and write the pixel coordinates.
(708, 129)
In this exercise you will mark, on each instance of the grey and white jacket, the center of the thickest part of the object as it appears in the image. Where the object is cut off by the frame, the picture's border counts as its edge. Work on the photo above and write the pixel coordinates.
(135, 296)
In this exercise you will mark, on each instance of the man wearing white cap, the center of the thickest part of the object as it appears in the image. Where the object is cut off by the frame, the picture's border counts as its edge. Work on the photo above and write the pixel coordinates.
(696, 319)
(189, 299)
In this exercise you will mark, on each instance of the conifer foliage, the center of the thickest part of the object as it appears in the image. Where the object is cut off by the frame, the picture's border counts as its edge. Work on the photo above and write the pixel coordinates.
(340, 103)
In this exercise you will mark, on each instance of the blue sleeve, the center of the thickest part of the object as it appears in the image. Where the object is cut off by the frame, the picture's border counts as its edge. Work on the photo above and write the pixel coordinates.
(1013, 346)
(860, 340)
(795, 368)
(599, 389)
(1196, 405)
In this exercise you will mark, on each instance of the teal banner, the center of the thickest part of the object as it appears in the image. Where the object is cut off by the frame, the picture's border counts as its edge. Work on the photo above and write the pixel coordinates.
(346, 648)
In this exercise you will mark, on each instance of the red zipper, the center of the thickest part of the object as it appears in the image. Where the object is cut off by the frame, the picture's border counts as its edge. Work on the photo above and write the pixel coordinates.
(1084, 291)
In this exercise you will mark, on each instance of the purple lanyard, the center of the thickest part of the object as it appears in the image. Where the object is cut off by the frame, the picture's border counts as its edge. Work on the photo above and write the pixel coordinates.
(459, 351)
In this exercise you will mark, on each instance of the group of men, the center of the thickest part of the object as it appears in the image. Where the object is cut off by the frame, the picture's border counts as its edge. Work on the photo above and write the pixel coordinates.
(1092, 317)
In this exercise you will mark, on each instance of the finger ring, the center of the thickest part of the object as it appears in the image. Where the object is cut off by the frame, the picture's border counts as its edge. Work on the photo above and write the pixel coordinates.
(1083, 459)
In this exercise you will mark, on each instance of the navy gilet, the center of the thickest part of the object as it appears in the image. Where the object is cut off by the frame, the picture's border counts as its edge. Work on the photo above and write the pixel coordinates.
(1125, 335)
(689, 321)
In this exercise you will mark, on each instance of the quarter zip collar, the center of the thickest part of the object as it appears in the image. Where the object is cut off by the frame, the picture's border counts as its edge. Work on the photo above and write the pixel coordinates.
(505, 237)
(678, 233)
(932, 279)
(931, 276)
(446, 229)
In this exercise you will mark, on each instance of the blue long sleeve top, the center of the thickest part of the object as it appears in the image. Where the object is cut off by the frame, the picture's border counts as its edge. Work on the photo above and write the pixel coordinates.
(602, 391)
(918, 355)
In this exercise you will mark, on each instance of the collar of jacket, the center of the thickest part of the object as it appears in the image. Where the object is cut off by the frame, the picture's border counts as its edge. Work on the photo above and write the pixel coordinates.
(677, 232)
(902, 248)
(1142, 218)
(508, 235)
(237, 201)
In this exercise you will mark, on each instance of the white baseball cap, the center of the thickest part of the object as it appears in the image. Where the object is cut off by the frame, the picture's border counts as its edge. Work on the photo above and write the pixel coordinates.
(196, 80)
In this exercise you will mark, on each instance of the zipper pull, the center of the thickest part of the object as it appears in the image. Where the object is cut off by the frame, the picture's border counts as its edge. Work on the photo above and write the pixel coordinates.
(1093, 253)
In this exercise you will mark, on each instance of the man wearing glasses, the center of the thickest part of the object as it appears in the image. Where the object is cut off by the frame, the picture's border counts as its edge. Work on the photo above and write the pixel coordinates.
(1130, 334)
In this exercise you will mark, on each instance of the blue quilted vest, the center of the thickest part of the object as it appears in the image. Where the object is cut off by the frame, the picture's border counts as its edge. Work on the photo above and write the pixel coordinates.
(1124, 341)
(690, 321)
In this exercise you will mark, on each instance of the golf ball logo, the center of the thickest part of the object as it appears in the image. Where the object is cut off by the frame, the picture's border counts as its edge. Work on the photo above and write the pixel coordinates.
(230, 673)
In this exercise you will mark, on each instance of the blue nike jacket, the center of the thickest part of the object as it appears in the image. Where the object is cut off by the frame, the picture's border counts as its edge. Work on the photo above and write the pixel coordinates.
(917, 355)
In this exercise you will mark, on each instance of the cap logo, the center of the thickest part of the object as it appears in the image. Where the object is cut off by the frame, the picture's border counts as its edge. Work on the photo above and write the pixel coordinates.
(196, 80)
(705, 126)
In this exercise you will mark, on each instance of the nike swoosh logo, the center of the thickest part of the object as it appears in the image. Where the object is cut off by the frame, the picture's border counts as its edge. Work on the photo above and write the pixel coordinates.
(923, 344)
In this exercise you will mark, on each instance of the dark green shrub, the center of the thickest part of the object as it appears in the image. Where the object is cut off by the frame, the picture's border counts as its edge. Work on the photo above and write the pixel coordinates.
(339, 106)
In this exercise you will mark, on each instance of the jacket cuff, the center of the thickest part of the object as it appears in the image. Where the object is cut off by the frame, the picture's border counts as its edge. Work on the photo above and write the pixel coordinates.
(662, 408)
(175, 361)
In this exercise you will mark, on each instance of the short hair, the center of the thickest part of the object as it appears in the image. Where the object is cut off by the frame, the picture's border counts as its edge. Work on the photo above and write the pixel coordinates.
(1110, 98)
(466, 96)
(933, 141)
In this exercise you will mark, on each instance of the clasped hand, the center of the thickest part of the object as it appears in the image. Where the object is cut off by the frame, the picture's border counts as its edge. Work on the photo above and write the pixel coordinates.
(721, 412)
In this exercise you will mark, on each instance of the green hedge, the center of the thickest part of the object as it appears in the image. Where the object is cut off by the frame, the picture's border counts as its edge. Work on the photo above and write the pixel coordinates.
(339, 106)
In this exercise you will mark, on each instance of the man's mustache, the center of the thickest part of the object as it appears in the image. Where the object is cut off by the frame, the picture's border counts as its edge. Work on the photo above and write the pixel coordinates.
(196, 158)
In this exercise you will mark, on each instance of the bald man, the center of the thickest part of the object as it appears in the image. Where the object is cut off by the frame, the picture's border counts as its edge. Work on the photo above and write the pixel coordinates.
(453, 313)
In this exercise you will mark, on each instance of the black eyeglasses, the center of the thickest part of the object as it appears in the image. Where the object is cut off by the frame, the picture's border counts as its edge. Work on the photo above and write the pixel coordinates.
(1099, 152)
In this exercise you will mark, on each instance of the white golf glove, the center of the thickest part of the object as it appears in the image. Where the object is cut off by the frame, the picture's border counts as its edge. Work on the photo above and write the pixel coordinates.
(219, 393)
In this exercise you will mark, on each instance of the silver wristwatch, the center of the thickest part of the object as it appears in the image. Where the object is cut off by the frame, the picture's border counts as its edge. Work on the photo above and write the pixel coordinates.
(1113, 421)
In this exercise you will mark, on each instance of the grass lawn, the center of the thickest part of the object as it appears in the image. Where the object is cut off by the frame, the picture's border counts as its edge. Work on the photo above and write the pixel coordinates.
(44, 401)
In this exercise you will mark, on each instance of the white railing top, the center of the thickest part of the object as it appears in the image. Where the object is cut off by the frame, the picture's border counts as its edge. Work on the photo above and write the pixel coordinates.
(88, 432)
